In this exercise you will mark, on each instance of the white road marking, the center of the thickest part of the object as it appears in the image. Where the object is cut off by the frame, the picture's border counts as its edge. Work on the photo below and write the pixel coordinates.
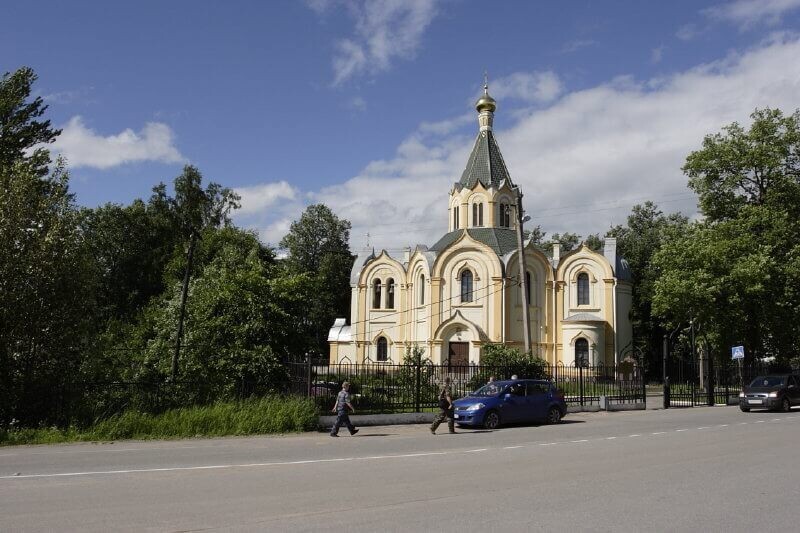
(318, 461)
(219, 467)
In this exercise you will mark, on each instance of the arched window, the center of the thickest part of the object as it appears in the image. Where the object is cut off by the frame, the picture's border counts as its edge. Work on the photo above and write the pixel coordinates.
(376, 294)
(455, 217)
(383, 349)
(583, 288)
(421, 289)
(505, 215)
(477, 215)
(390, 293)
(466, 286)
(581, 352)
(528, 288)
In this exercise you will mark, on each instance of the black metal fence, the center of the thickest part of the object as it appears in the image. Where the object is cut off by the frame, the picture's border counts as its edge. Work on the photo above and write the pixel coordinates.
(710, 382)
(398, 388)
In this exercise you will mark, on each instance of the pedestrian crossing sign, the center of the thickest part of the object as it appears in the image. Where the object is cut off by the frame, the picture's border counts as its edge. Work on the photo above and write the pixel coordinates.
(737, 352)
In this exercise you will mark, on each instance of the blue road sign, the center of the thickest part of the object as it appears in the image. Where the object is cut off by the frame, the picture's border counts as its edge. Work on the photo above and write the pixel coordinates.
(737, 352)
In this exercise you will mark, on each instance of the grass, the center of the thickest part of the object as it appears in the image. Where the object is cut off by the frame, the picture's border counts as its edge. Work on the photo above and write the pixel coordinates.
(266, 415)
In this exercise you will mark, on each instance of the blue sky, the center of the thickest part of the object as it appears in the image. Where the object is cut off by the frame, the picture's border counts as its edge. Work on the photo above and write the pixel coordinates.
(367, 106)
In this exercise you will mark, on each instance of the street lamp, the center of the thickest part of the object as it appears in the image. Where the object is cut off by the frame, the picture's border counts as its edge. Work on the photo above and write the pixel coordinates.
(526, 323)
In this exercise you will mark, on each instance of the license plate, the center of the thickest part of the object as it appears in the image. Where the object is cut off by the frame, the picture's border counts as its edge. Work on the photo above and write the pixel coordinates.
(455, 416)
(755, 401)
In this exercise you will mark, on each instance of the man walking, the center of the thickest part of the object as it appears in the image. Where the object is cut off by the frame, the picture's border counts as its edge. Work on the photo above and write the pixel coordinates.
(340, 408)
(445, 408)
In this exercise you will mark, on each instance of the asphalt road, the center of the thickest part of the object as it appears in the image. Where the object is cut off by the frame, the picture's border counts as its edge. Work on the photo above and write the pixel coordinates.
(700, 469)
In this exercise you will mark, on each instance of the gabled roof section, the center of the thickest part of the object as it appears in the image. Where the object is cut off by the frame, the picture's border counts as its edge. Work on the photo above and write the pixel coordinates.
(485, 164)
(501, 240)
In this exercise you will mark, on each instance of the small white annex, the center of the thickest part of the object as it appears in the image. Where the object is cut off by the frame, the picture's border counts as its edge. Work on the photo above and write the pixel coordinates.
(463, 292)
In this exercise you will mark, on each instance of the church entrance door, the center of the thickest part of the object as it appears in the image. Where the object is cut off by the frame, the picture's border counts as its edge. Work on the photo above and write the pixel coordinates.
(458, 354)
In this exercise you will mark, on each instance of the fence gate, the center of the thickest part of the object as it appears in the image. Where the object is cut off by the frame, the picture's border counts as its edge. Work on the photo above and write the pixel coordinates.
(690, 382)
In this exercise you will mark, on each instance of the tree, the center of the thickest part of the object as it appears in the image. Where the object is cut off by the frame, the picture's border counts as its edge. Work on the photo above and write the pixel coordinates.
(647, 230)
(240, 320)
(47, 290)
(740, 168)
(196, 209)
(317, 244)
(21, 132)
(738, 270)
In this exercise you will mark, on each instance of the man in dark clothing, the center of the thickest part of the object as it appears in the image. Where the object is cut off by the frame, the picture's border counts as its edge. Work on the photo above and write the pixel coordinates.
(340, 408)
(445, 408)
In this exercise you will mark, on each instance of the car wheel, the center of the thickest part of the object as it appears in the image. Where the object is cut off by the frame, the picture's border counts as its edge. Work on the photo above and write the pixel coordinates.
(785, 405)
(491, 420)
(553, 416)
(745, 409)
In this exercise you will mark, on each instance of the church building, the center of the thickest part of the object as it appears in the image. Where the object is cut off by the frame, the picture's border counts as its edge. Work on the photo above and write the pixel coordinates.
(465, 291)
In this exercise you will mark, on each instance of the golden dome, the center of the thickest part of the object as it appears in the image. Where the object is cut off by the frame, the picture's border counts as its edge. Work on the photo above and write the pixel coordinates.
(486, 102)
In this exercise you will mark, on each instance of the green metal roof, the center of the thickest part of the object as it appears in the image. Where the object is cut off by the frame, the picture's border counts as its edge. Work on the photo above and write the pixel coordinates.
(501, 240)
(485, 164)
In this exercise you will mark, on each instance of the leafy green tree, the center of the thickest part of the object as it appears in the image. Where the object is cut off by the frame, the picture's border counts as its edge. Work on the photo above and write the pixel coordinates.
(647, 230)
(47, 290)
(738, 270)
(513, 362)
(739, 168)
(132, 246)
(567, 240)
(21, 133)
(317, 244)
(196, 208)
(240, 320)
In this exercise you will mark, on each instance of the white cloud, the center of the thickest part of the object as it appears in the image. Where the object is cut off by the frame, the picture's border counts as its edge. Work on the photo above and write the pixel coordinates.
(83, 147)
(574, 46)
(582, 162)
(687, 32)
(385, 30)
(261, 197)
(528, 87)
(749, 13)
(656, 54)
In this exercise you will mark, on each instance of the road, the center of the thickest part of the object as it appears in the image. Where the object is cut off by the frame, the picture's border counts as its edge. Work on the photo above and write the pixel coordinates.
(700, 469)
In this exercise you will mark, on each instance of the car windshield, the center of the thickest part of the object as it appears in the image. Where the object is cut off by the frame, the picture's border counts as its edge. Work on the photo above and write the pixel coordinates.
(490, 389)
(768, 381)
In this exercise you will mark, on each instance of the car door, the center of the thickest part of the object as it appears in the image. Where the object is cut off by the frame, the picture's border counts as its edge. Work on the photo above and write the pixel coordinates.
(514, 402)
(794, 390)
(538, 400)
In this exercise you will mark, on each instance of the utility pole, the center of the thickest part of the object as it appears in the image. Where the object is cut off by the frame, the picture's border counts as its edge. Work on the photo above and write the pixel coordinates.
(184, 293)
(526, 322)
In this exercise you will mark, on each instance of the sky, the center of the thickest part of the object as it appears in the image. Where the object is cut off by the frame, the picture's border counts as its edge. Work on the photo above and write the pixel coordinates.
(368, 106)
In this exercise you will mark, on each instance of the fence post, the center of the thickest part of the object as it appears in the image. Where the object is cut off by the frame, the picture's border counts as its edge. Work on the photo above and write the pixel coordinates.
(308, 376)
(580, 377)
(644, 384)
(711, 382)
(664, 377)
(417, 385)
(727, 374)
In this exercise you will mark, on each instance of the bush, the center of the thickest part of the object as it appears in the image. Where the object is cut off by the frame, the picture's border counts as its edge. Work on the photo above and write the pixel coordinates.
(503, 362)
(270, 414)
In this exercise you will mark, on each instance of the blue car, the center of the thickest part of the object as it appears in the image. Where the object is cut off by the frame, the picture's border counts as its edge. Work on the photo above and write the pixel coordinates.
(508, 402)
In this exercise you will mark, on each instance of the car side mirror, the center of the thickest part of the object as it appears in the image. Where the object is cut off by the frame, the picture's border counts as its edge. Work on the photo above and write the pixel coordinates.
(507, 397)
